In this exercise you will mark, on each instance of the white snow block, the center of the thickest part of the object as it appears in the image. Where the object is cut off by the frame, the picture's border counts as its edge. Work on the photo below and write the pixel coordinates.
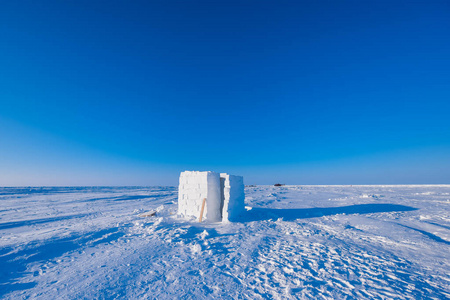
(194, 187)
(233, 196)
(224, 195)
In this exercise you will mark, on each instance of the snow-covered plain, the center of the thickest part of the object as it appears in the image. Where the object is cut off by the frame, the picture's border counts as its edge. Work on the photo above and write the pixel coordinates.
(341, 242)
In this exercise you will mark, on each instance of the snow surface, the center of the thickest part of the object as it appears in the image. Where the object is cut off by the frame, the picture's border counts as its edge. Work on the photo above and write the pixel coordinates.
(360, 242)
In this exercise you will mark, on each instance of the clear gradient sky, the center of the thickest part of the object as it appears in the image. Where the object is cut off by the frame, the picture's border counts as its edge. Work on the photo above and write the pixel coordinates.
(298, 92)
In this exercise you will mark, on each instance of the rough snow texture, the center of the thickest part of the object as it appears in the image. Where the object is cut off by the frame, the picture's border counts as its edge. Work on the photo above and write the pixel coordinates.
(296, 242)
(194, 187)
(233, 196)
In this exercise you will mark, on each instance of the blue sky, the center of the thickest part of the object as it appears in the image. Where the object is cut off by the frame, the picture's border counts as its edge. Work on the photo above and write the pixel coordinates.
(299, 92)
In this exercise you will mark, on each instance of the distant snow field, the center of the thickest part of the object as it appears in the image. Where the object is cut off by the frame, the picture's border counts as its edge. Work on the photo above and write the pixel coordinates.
(332, 242)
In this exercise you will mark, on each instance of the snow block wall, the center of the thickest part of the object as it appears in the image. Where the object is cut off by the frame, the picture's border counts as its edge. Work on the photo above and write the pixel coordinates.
(194, 187)
(233, 196)
(224, 195)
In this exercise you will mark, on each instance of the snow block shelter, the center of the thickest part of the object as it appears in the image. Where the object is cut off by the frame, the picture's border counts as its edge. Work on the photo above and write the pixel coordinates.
(224, 195)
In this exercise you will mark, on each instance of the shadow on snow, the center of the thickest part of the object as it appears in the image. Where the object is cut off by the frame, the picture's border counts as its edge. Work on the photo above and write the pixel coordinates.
(8, 225)
(428, 234)
(259, 213)
(15, 263)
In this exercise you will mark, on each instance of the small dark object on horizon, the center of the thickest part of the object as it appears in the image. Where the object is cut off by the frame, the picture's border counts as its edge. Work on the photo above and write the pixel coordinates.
(279, 184)
(251, 185)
